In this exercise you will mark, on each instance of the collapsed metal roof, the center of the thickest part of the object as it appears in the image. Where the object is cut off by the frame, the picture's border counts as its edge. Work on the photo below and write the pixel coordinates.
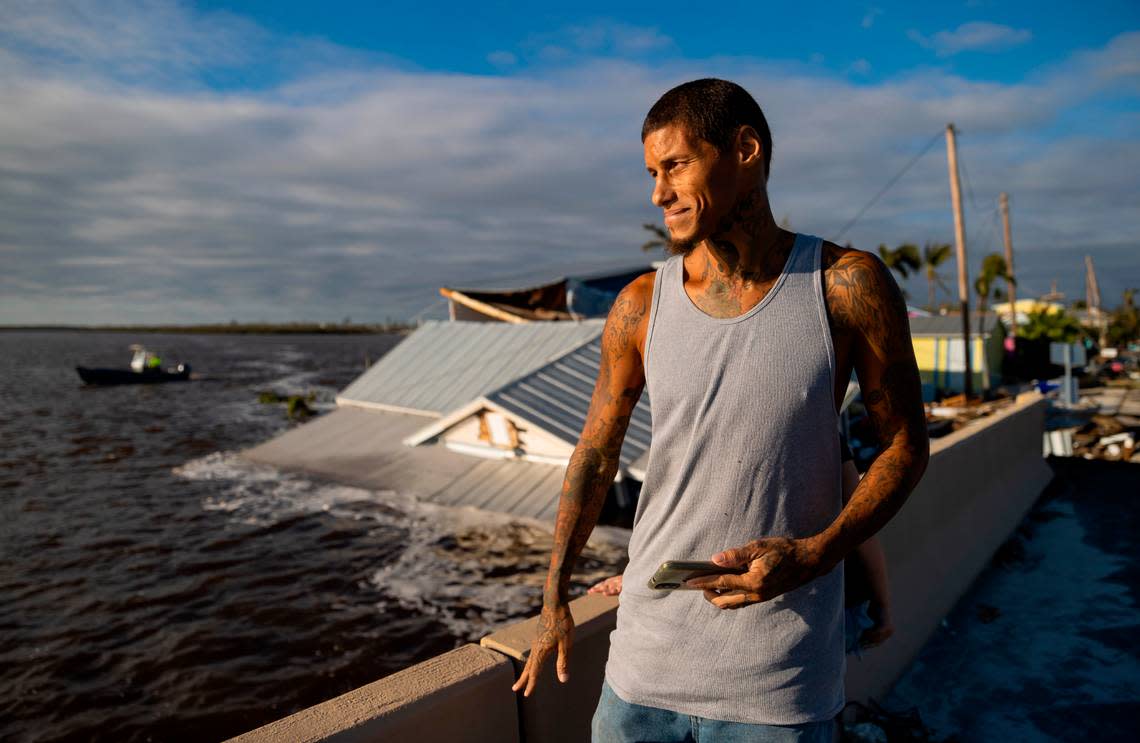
(363, 448)
(556, 397)
(540, 277)
(443, 365)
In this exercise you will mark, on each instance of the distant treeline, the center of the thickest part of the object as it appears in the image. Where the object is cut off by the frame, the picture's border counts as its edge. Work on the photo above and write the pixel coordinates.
(292, 328)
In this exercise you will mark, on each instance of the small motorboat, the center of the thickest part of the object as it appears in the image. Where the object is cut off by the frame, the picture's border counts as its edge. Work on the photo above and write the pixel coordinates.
(180, 373)
(146, 368)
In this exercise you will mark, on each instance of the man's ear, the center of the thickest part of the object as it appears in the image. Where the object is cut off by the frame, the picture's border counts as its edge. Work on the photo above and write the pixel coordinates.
(749, 148)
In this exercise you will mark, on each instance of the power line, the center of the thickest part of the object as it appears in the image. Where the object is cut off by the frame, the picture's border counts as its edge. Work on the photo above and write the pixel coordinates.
(887, 187)
(969, 187)
(986, 229)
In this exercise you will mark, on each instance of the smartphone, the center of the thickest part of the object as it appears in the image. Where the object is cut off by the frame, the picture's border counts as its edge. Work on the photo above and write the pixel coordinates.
(673, 573)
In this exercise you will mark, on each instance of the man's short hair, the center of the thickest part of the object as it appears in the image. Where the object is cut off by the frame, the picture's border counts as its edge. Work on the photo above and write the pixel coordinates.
(712, 110)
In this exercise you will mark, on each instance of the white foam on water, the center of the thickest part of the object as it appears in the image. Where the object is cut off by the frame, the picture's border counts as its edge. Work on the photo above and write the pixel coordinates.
(474, 571)
(469, 569)
(262, 495)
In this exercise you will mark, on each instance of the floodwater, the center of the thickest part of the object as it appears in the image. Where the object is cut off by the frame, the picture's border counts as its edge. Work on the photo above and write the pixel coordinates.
(155, 586)
(1045, 646)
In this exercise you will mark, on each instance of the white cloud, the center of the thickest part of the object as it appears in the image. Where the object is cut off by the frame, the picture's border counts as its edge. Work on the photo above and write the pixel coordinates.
(977, 36)
(359, 190)
(860, 67)
(601, 38)
(870, 15)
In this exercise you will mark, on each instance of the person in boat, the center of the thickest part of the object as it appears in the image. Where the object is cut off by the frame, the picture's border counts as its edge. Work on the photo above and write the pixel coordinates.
(144, 361)
(745, 339)
(139, 359)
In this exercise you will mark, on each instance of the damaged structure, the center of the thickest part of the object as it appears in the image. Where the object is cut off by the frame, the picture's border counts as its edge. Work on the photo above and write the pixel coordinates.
(549, 295)
(467, 413)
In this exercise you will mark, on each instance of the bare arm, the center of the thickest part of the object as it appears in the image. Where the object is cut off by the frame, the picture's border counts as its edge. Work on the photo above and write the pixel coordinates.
(871, 557)
(865, 302)
(874, 563)
(591, 470)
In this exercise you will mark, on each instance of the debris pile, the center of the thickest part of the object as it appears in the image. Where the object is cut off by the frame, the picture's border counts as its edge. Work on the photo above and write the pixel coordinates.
(872, 723)
(952, 413)
(1105, 425)
(1108, 437)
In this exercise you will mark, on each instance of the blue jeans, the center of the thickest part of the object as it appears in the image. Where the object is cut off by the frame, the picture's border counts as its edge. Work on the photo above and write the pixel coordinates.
(618, 721)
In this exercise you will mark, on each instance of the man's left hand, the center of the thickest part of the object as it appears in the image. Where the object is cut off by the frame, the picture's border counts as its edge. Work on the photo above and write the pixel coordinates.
(775, 565)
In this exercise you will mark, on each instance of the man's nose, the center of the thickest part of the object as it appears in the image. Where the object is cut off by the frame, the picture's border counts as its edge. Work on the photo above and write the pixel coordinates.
(663, 195)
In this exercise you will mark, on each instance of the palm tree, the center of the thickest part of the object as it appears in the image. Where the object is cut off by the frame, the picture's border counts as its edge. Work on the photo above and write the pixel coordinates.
(902, 259)
(993, 268)
(1124, 326)
(934, 255)
(660, 237)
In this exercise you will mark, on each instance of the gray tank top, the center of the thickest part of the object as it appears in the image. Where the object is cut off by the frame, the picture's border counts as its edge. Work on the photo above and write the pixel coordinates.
(744, 446)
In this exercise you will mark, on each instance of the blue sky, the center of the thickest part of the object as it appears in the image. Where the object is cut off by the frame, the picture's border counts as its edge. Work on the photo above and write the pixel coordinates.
(830, 37)
(166, 161)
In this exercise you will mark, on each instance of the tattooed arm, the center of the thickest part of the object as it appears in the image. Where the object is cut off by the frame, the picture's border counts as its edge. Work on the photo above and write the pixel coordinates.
(869, 311)
(872, 333)
(591, 470)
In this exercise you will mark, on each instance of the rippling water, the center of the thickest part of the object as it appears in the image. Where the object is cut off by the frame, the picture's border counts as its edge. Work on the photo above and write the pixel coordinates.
(155, 586)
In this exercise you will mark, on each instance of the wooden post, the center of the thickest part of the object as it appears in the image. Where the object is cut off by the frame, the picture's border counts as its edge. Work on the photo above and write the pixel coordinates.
(1092, 301)
(960, 242)
(1003, 202)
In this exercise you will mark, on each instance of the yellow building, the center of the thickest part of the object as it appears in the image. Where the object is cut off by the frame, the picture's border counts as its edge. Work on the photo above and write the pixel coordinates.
(940, 353)
(1025, 306)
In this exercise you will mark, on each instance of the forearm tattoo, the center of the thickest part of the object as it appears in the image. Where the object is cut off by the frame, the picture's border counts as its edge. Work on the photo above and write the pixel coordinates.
(867, 308)
(595, 460)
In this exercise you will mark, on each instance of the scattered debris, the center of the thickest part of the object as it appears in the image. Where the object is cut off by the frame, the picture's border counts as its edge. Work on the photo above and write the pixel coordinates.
(872, 723)
(864, 732)
(954, 412)
(1105, 437)
(1105, 425)
(296, 406)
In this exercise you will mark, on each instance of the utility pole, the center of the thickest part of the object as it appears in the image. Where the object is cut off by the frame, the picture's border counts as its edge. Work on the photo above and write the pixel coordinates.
(960, 241)
(1003, 202)
(1053, 295)
(1092, 300)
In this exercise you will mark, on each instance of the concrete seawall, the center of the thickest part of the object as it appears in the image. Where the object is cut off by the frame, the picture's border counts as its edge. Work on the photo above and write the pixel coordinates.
(978, 486)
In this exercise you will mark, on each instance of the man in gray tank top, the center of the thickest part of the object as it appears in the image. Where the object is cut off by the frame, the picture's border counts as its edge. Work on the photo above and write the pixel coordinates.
(744, 341)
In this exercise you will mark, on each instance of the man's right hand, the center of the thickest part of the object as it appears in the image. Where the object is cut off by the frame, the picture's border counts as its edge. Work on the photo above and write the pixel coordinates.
(556, 630)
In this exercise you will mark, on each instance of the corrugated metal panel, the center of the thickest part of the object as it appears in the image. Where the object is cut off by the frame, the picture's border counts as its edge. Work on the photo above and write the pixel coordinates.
(363, 448)
(556, 398)
(443, 365)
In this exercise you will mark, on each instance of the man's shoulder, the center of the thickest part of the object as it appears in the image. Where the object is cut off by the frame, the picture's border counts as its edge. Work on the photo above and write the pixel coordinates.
(847, 267)
(626, 323)
(636, 295)
(835, 258)
(643, 284)
(858, 285)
